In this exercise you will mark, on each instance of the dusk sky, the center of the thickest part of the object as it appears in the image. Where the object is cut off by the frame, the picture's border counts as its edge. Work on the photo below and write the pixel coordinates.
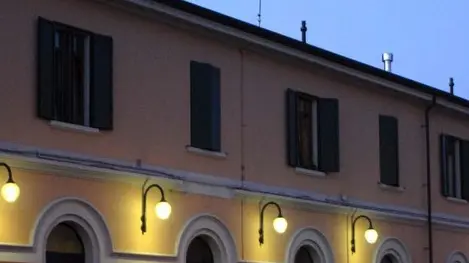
(429, 39)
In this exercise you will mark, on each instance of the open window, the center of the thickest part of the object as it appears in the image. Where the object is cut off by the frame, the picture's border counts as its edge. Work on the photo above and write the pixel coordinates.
(312, 132)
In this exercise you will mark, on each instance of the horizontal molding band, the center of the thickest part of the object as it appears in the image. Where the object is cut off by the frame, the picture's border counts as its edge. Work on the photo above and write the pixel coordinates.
(77, 165)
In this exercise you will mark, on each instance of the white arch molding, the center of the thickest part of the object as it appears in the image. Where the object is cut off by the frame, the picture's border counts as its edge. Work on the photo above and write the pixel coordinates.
(315, 241)
(216, 234)
(394, 247)
(86, 220)
(457, 257)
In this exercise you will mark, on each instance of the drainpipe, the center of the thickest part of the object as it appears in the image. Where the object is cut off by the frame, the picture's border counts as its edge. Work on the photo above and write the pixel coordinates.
(429, 184)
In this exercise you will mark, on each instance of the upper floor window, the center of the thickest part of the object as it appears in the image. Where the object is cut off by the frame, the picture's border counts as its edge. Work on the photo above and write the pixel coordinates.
(389, 150)
(205, 106)
(454, 167)
(74, 75)
(312, 132)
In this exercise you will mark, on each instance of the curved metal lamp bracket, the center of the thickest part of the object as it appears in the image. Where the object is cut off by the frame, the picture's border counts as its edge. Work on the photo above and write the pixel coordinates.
(145, 191)
(370, 226)
(261, 228)
(10, 175)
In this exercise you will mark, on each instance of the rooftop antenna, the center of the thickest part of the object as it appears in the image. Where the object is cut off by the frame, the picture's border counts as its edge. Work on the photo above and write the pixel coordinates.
(303, 31)
(259, 14)
(451, 86)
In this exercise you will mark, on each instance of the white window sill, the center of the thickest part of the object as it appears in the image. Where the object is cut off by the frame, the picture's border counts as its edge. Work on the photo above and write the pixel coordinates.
(456, 200)
(213, 154)
(73, 127)
(309, 172)
(391, 188)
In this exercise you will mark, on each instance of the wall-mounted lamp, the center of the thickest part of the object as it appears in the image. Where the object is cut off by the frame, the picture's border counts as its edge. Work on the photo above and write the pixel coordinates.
(280, 223)
(162, 208)
(371, 235)
(10, 190)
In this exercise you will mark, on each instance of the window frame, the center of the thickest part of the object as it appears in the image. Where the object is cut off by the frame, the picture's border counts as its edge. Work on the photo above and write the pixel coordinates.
(453, 170)
(87, 67)
(100, 79)
(314, 130)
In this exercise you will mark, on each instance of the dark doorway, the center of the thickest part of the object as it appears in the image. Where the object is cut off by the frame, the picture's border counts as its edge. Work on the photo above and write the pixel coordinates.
(64, 245)
(199, 251)
(303, 255)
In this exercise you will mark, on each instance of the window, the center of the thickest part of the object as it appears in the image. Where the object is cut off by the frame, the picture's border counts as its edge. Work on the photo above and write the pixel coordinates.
(389, 150)
(304, 255)
(205, 106)
(199, 251)
(74, 75)
(454, 167)
(312, 132)
(64, 245)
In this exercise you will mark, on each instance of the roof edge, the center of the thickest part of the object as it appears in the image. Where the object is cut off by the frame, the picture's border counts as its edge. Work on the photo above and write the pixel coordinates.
(385, 78)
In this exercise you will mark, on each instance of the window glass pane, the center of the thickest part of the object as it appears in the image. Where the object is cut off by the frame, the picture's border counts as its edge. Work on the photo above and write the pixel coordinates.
(69, 60)
(305, 133)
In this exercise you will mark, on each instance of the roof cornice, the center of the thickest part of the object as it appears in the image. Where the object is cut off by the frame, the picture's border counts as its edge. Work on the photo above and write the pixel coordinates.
(229, 26)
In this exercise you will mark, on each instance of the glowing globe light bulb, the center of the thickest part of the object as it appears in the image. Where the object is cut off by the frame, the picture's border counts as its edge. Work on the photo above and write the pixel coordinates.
(371, 236)
(163, 210)
(10, 192)
(280, 225)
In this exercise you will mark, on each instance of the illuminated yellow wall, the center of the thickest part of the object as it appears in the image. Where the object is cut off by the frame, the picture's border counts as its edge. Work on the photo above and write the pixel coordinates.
(120, 205)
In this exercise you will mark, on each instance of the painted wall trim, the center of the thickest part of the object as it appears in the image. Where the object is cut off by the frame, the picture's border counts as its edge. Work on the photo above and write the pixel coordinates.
(457, 256)
(94, 231)
(394, 247)
(269, 45)
(220, 240)
(313, 239)
(62, 163)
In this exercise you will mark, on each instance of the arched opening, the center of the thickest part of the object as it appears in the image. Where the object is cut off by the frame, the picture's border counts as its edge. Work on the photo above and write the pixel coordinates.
(388, 258)
(309, 245)
(64, 244)
(392, 250)
(306, 254)
(457, 257)
(199, 251)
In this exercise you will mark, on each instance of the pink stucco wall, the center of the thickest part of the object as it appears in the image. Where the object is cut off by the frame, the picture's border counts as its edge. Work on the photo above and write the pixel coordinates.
(151, 101)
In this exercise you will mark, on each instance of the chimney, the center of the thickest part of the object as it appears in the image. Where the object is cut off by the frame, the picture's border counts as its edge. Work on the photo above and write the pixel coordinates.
(303, 31)
(387, 59)
(451, 86)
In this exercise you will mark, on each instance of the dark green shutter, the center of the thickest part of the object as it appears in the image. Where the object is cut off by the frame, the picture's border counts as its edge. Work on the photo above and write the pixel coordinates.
(328, 129)
(443, 165)
(205, 106)
(464, 155)
(291, 128)
(389, 150)
(45, 69)
(101, 92)
(216, 109)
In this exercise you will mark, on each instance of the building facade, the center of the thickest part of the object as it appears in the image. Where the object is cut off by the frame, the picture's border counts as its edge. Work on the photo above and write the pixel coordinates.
(114, 107)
